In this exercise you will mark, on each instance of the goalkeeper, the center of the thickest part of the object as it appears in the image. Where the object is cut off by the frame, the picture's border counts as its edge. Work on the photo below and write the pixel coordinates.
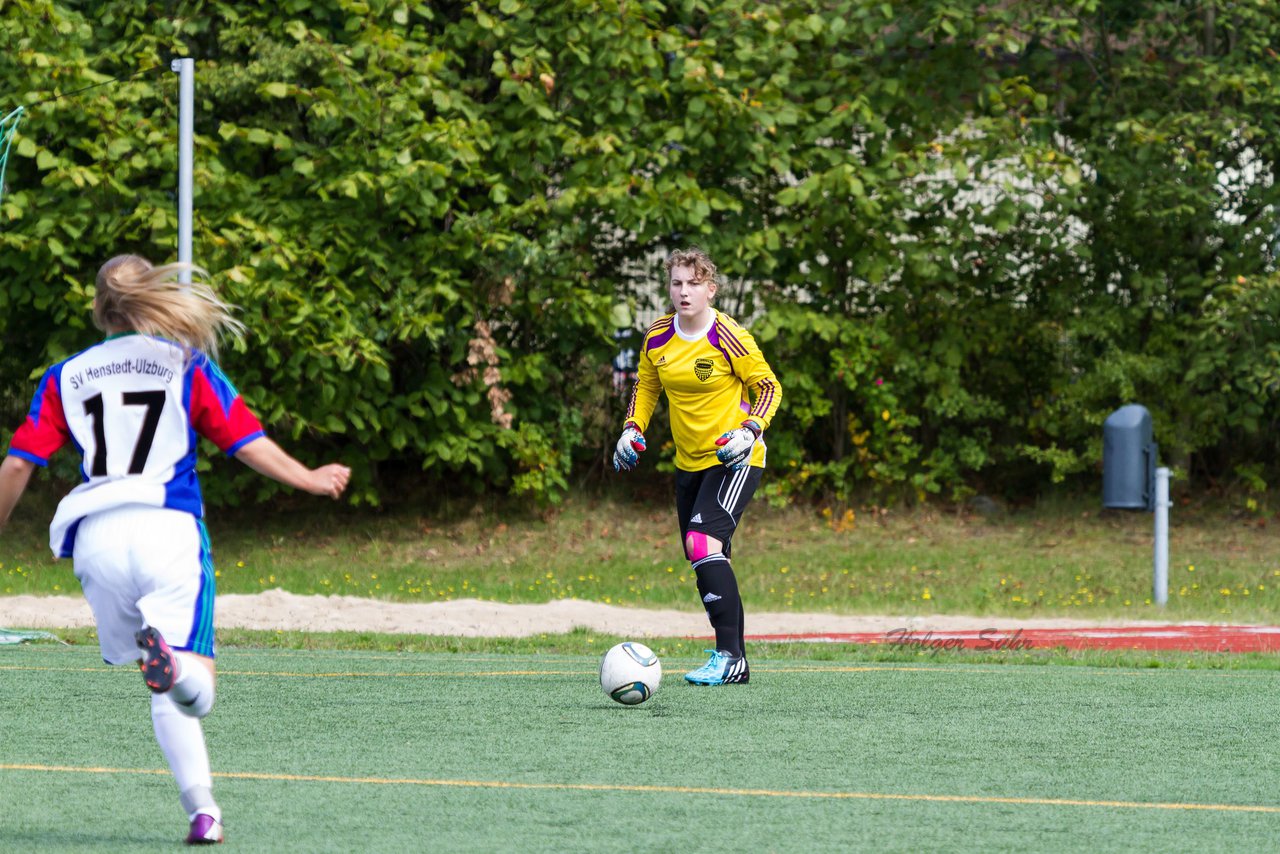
(722, 395)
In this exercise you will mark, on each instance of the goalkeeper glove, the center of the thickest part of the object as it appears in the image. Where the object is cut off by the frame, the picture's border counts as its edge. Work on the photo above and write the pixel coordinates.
(625, 455)
(736, 445)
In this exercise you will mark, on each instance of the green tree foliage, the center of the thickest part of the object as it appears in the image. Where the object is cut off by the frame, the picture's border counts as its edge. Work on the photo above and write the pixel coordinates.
(1171, 299)
(964, 232)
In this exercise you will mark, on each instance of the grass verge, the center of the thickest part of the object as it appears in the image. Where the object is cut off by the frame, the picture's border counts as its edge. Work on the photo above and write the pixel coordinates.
(1061, 559)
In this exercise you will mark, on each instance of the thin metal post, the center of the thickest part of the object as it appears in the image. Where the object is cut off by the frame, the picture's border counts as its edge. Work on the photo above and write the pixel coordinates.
(1160, 580)
(186, 69)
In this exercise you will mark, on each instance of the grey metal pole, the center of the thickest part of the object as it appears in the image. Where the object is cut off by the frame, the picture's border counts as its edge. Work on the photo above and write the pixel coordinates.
(1160, 581)
(186, 69)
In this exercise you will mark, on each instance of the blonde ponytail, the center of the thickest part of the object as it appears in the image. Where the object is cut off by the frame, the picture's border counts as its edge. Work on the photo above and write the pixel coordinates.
(134, 295)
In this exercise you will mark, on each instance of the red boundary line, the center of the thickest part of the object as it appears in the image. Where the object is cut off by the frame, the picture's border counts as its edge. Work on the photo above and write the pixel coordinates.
(1185, 638)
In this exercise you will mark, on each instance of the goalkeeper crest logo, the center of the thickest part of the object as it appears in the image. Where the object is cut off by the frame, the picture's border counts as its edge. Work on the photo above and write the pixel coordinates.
(702, 369)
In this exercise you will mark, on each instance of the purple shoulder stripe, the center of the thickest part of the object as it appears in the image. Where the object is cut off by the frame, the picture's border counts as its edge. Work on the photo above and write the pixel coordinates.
(657, 339)
(661, 323)
(713, 338)
(729, 340)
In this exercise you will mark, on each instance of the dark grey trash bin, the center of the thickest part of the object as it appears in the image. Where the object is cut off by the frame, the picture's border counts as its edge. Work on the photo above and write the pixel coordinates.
(1128, 459)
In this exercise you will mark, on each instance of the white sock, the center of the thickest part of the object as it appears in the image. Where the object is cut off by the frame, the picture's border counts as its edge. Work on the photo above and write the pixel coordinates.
(192, 691)
(182, 739)
(200, 800)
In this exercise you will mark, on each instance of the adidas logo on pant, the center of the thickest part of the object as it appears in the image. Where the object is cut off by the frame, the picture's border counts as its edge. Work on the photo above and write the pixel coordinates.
(711, 597)
(697, 518)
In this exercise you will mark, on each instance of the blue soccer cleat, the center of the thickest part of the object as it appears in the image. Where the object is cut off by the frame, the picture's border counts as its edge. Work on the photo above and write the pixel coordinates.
(723, 668)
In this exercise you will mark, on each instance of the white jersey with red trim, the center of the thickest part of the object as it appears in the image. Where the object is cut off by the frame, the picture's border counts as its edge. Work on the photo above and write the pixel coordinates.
(133, 405)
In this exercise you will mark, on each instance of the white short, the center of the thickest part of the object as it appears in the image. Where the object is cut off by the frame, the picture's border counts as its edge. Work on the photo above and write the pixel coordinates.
(146, 566)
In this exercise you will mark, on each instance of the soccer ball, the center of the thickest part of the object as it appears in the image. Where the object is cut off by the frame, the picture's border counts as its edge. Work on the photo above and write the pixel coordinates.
(630, 673)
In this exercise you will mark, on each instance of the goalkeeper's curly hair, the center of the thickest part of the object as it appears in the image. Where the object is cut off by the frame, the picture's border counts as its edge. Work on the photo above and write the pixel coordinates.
(704, 269)
(134, 295)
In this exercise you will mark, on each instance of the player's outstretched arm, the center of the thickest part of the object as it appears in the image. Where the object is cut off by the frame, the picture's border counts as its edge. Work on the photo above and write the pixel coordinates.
(14, 474)
(266, 457)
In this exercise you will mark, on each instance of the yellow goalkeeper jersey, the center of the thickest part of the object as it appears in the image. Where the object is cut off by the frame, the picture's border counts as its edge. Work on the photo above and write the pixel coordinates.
(714, 380)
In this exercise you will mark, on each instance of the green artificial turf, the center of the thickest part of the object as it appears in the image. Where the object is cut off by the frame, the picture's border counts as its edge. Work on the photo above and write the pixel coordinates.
(340, 750)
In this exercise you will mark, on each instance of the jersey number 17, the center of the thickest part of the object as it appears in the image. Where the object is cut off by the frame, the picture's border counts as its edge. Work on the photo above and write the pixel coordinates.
(93, 407)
